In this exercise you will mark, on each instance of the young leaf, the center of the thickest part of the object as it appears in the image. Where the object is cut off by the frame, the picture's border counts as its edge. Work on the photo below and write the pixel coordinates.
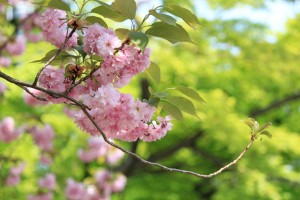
(172, 110)
(184, 14)
(190, 93)
(184, 104)
(266, 133)
(95, 19)
(265, 126)
(168, 32)
(122, 33)
(140, 39)
(126, 7)
(154, 72)
(154, 101)
(47, 56)
(57, 4)
(161, 95)
(108, 12)
(163, 17)
(80, 50)
(151, 91)
(249, 122)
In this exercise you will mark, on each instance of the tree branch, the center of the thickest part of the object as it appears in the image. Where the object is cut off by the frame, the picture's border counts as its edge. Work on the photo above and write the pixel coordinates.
(55, 55)
(275, 104)
(84, 109)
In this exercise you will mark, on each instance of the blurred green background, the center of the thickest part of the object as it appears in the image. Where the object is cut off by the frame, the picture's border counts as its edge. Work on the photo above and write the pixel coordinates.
(241, 67)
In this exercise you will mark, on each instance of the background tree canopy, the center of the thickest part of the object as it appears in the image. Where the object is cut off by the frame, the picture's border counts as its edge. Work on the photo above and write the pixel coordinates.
(241, 68)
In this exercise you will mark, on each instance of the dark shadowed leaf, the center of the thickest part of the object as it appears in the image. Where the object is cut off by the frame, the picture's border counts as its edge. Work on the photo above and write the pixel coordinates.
(184, 14)
(154, 101)
(140, 39)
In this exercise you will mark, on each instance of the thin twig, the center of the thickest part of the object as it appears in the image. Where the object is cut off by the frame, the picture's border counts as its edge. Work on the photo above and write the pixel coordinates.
(84, 109)
(55, 55)
(68, 90)
(37, 97)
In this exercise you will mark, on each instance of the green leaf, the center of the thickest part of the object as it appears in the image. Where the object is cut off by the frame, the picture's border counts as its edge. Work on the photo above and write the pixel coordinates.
(161, 95)
(80, 50)
(184, 104)
(154, 72)
(122, 33)
(140, 39)
(58, 4)
(266, 133)
(126, 7)
(47, 56)
(265, 126)
(108, 12)
(168, 32)
(151, 91)
(154, 101)
(172, 110)
(163, 17)
(59, 59)
(184, 14)
(189, 92)
(95, 19)
(249, 122)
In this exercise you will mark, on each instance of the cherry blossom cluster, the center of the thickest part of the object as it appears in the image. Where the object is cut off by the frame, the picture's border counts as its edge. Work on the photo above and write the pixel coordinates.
(54, 28)
(8, 131)
(14, 174)
(97, 147)
(106, 183)
(16, 46)
(46, 183)
(119, 115)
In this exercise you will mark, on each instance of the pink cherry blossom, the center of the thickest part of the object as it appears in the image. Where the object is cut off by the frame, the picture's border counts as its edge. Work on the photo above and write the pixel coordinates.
(119, 183)
(120, 68)
(53, 79)
(43, 137)
(32, 101)
(96, 148)
(2, 87)
(16, 47)
(5, 61)
(75, 190)
(100, 41)
(44, 196)
(45, 159)
(48, 182)
(8, 131)
(14, 175)
(54, 26)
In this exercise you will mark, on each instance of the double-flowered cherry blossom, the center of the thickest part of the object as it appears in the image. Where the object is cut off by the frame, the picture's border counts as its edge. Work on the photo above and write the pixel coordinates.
(54, 27)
